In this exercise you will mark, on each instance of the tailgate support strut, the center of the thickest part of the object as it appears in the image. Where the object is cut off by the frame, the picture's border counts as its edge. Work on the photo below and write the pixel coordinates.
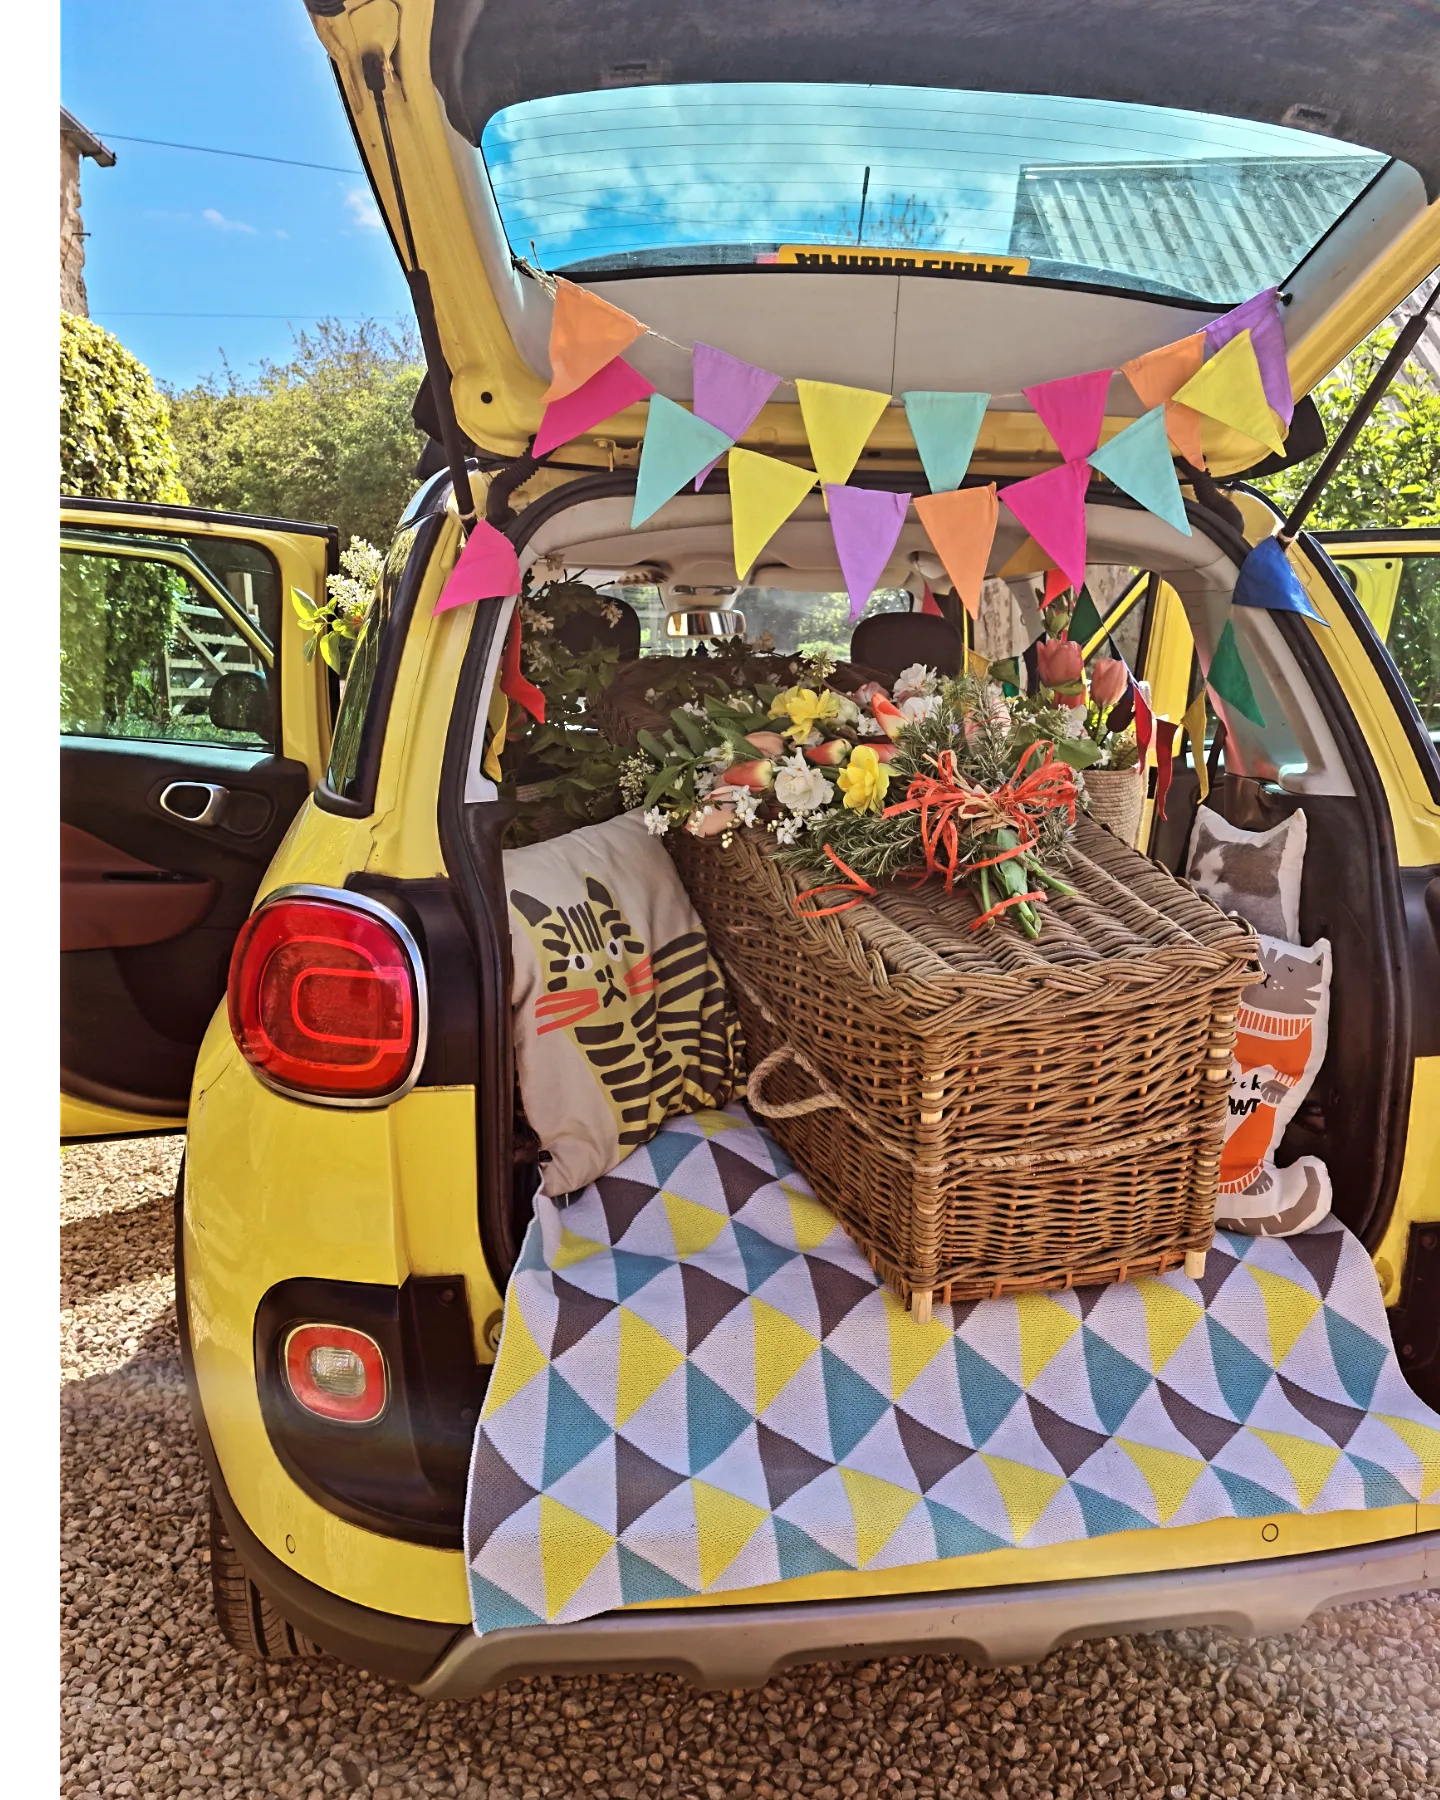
(1364, 406)
(373, 67)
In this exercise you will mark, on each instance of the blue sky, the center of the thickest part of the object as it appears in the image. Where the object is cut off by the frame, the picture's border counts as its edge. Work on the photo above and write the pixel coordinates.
(176, 233)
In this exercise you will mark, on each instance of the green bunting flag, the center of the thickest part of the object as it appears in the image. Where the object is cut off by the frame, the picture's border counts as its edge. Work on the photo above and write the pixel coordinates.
(1228, 678)
(1085, 621)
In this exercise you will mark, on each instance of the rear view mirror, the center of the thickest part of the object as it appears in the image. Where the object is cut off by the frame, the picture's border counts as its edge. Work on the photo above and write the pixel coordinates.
(240, 701)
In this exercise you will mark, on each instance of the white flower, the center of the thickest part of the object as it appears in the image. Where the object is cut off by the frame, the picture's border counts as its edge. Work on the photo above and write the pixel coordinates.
(705, 779)
(1074, 721)
(657, 823)
(694, 708)
(747, 807)
(786, 830)
(870, 726)
(919, 706)
(919, 678)
(799, 788)
(846, 711)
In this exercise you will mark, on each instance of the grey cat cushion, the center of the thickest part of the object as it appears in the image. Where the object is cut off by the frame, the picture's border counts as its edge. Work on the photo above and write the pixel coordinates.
(1254, 873)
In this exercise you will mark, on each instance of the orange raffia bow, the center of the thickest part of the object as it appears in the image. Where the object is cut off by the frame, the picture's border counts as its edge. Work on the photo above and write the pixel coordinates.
(948, 803)
(855, 885)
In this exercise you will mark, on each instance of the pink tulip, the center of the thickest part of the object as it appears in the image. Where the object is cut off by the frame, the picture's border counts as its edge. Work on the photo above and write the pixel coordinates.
(888, 716)
(768, 743)
(828, 755)
(1109, 679)
(1062, 662)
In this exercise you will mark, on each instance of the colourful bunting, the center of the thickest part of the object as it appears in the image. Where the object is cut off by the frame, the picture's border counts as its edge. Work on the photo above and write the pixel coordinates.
(837, 422)
(513, 682)
(945, 427)
(1194, 723)
(486, 569)
(961, 526)
(1260, 316)
(1137, 460)
(728, 394)
(929, 604)
(1165, 730)
(606, 393)
(1085, 621)
(1073, 410)
(763, 493)
(1229, 388)
(1144, 717)
(1057, 582)
(1051, 507)
(865, 523)
(586, 332)
(1229, 680)
(1157, 375)
(676, 445)
(1028, 559)
(1267, 580)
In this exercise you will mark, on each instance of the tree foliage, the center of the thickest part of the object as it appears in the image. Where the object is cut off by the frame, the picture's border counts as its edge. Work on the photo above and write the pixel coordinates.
(115, 439)
(1391, 475)
(326, 436)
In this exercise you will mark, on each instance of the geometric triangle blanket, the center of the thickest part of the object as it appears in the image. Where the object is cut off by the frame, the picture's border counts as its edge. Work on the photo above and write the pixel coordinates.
(702, 1387)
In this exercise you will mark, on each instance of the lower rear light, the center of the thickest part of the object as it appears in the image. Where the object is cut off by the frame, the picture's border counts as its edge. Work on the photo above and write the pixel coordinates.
(327, 997)
(336, 1373)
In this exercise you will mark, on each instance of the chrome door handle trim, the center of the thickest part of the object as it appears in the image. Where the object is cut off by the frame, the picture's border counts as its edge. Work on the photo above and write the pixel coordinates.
(209, 814)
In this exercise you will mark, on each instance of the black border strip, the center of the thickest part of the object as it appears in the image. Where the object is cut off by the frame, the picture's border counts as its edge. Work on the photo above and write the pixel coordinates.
(202, 515)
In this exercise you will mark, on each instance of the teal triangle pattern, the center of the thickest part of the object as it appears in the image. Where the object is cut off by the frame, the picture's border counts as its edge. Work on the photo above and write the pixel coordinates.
(669, 1149)
(572, 1429)
(761, 1256)
(641, 1580)
(714, 1419)
(1250, 1500)
(1116, 1382)
(1242, 1375)
(985, 1393)
(634, 1271)
(852, 1404)
(1358, 1357)
(1103, 1513)
(498, 1609)
(800, 1554)
(1381, 1487)
(955, 1535)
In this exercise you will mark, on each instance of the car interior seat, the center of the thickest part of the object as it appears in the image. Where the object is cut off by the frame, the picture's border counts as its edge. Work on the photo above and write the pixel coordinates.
(890, 642)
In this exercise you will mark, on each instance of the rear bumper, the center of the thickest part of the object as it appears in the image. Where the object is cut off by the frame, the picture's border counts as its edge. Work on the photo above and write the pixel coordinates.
(743, 1646)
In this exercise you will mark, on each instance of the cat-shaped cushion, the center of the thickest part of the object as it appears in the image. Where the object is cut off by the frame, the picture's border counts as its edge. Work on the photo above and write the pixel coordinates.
(621, 1018)
(1254, 873)
(1282, 1028)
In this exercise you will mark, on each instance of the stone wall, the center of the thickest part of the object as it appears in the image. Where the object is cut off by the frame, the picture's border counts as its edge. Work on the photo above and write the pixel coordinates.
(72, 238)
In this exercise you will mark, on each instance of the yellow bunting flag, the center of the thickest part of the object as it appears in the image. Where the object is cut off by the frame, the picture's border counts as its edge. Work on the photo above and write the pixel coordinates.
(1029, 559)
(1230, 388)
(763, 493)
(586, 333)
(961, 526)
(837, 422)
(497, 719)
(1157, 375)
(1194, 723)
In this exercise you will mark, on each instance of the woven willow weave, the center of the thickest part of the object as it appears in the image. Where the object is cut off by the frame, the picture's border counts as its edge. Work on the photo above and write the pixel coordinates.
(1116, 797)
(987, 1115)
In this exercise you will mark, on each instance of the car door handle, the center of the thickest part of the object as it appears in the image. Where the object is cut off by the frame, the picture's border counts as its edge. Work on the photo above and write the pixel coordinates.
(196, 802)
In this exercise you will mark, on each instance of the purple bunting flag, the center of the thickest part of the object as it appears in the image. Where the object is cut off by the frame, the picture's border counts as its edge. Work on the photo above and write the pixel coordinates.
(728, 394)
(1260, 316)
(865, 524)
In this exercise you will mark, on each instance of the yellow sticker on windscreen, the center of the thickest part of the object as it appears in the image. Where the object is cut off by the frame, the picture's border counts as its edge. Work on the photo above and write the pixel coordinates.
(902, 262)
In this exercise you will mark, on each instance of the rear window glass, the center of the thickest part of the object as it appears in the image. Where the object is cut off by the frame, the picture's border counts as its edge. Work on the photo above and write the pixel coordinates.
(1104, 192)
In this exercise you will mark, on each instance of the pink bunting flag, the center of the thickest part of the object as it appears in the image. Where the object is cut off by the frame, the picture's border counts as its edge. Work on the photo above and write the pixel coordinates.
(728, 394)
(865, 524)
(1051, 507)
(609, 391)
(487, 569)
(1260, 316)
(1073, 410)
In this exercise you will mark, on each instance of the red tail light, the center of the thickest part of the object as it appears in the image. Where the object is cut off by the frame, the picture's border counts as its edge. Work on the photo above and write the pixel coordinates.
(327, 997)
(337, 1373)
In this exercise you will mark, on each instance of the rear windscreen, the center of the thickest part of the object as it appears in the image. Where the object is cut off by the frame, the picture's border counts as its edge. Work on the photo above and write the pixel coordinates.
(1101, 192)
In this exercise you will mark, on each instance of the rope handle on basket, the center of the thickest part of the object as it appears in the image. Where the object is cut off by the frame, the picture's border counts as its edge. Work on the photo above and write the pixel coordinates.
(790, 1109)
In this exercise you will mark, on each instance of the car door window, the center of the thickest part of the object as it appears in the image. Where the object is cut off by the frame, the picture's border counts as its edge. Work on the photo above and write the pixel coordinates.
(167, 639)
(1400, 591)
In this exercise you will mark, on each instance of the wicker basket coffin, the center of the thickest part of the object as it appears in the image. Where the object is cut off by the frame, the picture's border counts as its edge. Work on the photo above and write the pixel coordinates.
(984, 1114)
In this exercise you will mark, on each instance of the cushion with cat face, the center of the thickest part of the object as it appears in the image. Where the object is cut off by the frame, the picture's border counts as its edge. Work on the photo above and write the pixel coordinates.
(621, 1018)
(1253, 873)
(1282, 1028)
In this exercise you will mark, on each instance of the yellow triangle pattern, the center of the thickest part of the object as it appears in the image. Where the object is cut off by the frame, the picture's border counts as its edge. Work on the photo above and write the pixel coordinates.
(570, 1548)
(1169, 1319)
(1025, 1491)
(813, 1223)
(1230, 388)
(647, 1361)
(1289, 1308)
(693, 1227)
(1309, 1463)
(521, 1361)
(879, 1508)
(574, 1249)
(1169, 1475)
(913, 1347)
(837, 422)
(781, 1349)
(1045, 1327)
(712, 1123)
(1424, 1440)
(724, 1524)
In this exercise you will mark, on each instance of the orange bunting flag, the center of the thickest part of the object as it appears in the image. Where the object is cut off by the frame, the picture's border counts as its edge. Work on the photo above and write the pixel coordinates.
(1157, 375)
(586, 332)
(961, 525)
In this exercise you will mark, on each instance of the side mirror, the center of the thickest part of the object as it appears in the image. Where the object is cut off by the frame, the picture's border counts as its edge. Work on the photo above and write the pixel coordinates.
(240, 701)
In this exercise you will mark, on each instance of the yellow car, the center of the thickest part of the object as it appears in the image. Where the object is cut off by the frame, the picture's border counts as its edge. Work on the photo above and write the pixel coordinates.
(769, 179)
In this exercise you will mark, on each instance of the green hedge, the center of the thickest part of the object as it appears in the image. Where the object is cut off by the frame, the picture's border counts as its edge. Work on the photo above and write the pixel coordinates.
(115, 441)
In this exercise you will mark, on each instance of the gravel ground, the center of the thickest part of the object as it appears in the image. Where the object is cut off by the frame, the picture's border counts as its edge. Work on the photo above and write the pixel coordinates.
(155, 1703)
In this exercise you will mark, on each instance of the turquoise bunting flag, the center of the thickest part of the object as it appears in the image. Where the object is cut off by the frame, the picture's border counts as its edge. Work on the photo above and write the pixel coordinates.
(677, 447)
(1138, 461)
(945, 427)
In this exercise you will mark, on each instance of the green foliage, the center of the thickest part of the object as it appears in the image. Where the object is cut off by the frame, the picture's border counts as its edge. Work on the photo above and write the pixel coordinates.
(1392, 473)
(335, 623)
(115, 441)
(117, 615)
(326, 436)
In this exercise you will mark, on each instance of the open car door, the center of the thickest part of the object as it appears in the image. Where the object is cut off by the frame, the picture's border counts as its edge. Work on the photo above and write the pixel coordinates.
(192, 727)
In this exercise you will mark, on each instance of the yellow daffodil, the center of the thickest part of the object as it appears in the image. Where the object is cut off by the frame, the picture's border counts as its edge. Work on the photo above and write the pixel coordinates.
(805, 709)
(864, 780)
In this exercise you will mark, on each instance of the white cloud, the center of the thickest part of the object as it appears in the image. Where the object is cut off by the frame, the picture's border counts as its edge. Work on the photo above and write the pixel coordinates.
(363, 209)
(213, 217)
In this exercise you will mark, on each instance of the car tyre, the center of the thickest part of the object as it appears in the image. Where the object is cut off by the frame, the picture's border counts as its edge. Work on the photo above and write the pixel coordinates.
(248, 1621)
